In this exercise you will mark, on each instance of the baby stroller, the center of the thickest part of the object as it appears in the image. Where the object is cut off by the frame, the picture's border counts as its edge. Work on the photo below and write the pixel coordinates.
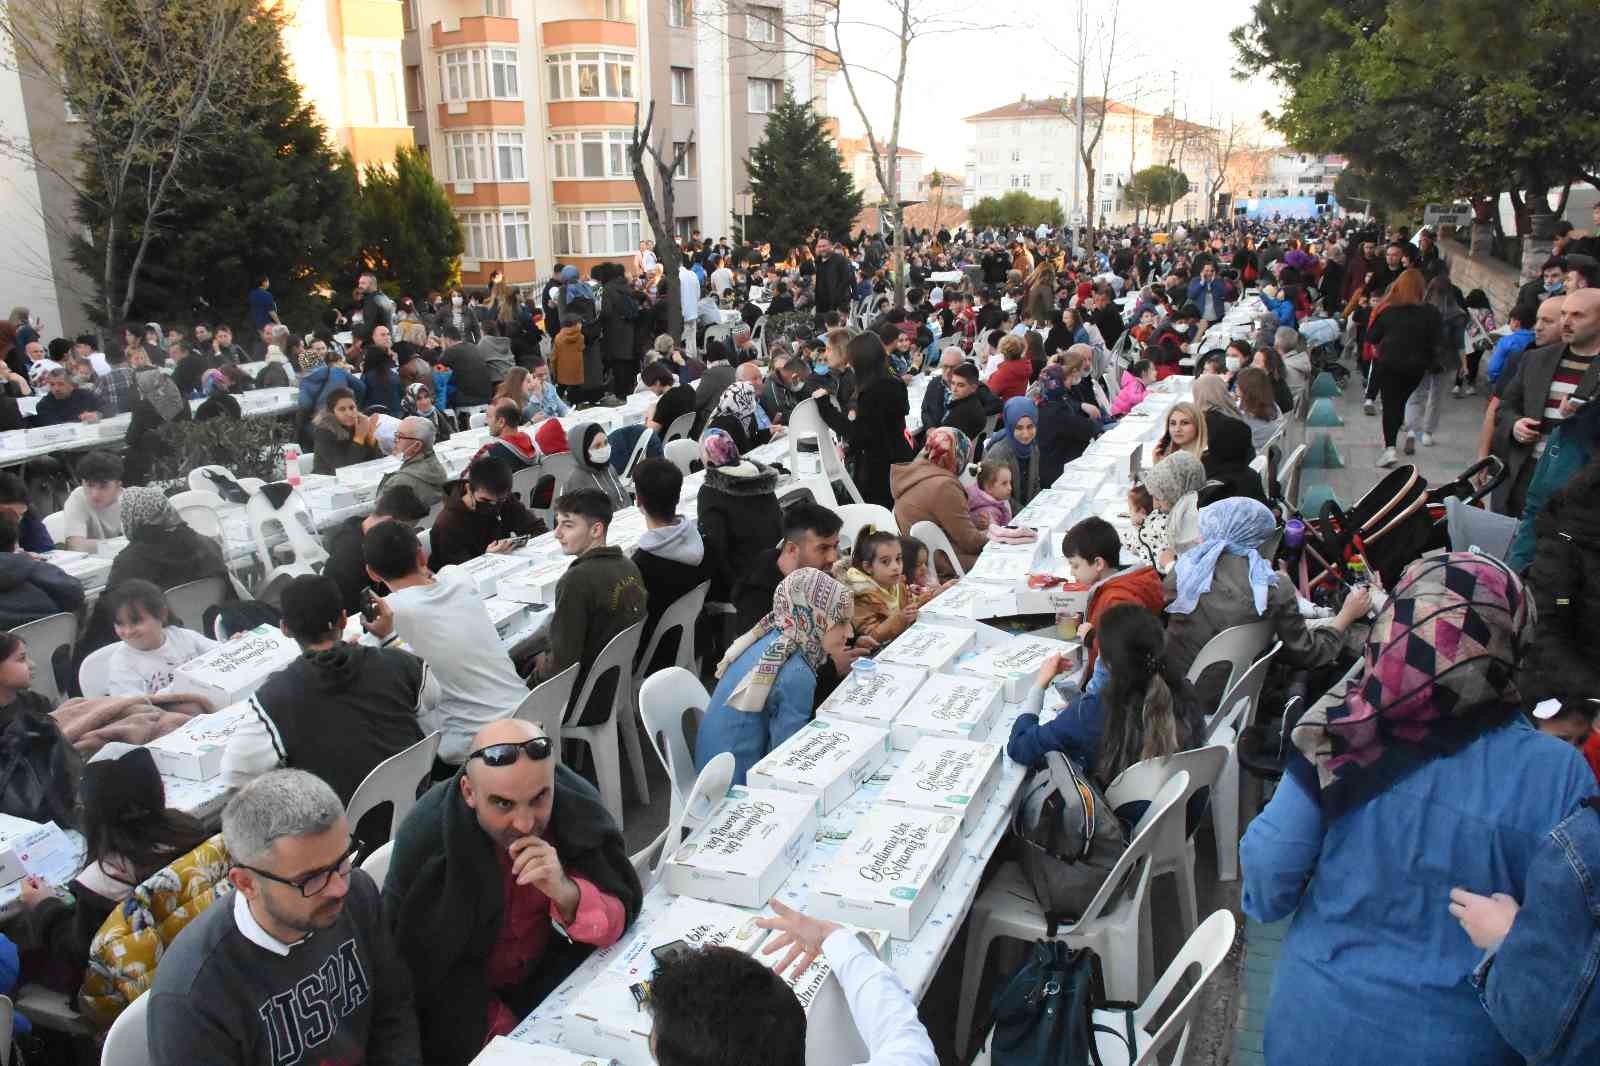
(1324, 339)
(1399, 520)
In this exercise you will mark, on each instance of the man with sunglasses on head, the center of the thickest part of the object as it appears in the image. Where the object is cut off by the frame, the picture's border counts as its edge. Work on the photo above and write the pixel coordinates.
(503, 879)
(299, 965)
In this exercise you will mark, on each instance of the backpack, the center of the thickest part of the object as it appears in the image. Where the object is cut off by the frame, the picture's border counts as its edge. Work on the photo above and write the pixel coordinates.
(1044, 1015)
(1069, 836)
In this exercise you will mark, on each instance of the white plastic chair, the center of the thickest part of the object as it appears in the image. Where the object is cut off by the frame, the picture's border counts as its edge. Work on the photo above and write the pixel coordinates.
(1116, 923)
(601, 737)
(933, 538)
(680, 427)
(395, 781)
(1206, 948)
(682, 453)
(857, 515)
(198, 482)
(128, 1042)
(477, 420)
(195, 498)
(189, 601)
(43, 637)
(1243, 702)
(547, 704)
(638, 451)
(299, 530)
(1289, 475)
(1174, 849)
(1238, 647)
(94, 673)
(663, 699)
(703, 796)
(200, 515)
(806, 421)
(376, 865)
(680, 618)
(56, 526)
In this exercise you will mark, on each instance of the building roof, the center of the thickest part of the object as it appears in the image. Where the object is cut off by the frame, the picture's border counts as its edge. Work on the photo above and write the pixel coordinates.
(950, 215)
(850, 147)
(1063, 106)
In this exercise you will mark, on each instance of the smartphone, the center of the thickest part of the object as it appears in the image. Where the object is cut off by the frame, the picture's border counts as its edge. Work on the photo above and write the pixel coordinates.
(519, 540)
(369, 605)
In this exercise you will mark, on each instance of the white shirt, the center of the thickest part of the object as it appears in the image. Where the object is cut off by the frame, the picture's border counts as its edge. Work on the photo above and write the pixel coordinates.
(722, 280)
(251, 929)
(884, 1012)
(144, 673)
(80, 518)
(688, 293)
(101, 365)
(448, 626)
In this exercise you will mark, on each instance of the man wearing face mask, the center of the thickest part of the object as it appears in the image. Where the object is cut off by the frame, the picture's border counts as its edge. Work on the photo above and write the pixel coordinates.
(420, 468)
(503, 879)
(480, 515)
(785, 388)
(1550, 282)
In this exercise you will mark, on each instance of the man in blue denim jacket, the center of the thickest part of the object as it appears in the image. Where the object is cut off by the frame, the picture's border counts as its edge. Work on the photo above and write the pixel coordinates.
(1538, 979)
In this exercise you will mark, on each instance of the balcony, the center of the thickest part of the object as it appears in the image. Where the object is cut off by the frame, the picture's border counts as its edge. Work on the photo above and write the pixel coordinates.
(475, 29)
(564, 33)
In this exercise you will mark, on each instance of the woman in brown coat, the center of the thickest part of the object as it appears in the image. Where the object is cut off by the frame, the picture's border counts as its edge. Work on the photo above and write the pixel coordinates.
(929, 489)
(566, 357)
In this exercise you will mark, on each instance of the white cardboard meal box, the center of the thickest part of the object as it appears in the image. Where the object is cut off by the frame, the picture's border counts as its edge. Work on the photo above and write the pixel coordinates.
(47, 436)
(967, 603)
(953, 706)
(873, 697)
(13, 439)
(229, 672)
(889, 871)
(946, 776)
(609, 1017)
(1084, 479)
(746, 849)
(194, 750)
(1018, 656)
(932, 647)
(1004, 564)
(1053, 512)
(487, 571)
(17, 837)
(88, 569)
(110, 548)
(507, 615)
(826, 759)
(368, 473)
(504, 1051)
(535, 583)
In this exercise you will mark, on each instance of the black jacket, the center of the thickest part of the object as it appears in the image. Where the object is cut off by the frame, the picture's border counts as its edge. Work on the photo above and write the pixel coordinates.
(1407, 338)
(1564, 578)
(460, 534)
(444, 897)
(470, 382)
(333, 447)
(666, 581)
(835, 284)
(841, 398)
(38, 768)
(754, 588)
(346, 564)
(878, 437)
(739, 519)
(1065, 432)
(31, 590)
(674, 403)
(54, 412)
(1108, 320)
(1227, 460)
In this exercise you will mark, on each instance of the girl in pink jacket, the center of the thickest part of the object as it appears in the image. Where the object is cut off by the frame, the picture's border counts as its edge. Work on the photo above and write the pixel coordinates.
(1135, 381)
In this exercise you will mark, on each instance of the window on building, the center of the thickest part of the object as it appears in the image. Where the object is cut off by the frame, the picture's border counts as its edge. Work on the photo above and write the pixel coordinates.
(682, 86)
(590, 154)
(1105, 207)
(590, 75)
(408, 15)
(477, 228)
(1107, 180)
(686, 227)
(620, 10)
(1046, 179)
(495, 7)
(414, 90)
(688, 167)
(503, 73)
(1016, 181)
(1016, 155)
(480, 74)
(597, 231)
(761, 24)
(509, 160)
(1027, 181)
(765, 95)
(516, 232)
(469, 156)
(986, 181)
(373, 91)
(679, 12)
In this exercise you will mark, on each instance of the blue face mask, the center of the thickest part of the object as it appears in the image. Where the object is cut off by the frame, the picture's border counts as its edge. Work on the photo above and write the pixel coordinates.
(820, 367)
(1552, 287)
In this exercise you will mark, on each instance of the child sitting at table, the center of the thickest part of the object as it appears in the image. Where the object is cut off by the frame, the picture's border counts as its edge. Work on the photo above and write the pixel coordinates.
(152, 648)
(129, 833)
(915, 561)
(884, 603)
(989, 498)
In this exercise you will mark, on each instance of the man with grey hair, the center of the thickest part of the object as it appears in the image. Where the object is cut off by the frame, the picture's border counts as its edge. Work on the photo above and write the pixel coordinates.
(299, 966)
(420, 468)
(1296, 361)
(63, 401)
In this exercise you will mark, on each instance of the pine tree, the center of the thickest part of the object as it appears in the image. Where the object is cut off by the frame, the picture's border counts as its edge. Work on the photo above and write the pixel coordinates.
(797, 181)
(262, 193)
(406, 231)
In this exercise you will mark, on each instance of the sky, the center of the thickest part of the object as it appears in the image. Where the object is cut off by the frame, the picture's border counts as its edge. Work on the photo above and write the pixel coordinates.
(954, 75)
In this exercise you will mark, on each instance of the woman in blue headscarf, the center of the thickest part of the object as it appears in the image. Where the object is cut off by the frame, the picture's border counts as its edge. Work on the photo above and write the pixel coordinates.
(1013, 445)
(1224, 581)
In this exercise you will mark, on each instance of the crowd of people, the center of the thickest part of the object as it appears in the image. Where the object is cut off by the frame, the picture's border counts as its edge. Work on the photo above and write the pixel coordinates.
(1422, 804)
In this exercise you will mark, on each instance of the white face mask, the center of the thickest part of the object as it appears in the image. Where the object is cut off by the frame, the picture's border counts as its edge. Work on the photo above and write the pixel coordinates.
(455, 301)
(1233, 362)
(600, 453)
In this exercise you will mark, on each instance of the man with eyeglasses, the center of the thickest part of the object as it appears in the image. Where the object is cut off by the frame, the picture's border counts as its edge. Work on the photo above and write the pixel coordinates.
(299, 966)
(420, 468)
(503, 879)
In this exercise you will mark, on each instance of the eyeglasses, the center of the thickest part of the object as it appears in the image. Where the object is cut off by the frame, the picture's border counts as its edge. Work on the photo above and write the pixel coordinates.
(505, 754)
(315, 882)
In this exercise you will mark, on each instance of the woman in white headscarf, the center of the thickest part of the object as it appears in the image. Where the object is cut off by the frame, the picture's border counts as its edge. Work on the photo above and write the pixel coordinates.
(739, 414)
(1174, 484)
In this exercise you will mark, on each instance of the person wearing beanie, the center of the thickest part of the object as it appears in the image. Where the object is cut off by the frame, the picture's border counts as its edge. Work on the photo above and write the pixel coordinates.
(129, 834)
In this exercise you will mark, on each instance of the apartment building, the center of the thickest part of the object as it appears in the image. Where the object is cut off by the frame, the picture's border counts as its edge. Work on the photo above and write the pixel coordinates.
(855, 154)
(1031, 145)
(527, 107)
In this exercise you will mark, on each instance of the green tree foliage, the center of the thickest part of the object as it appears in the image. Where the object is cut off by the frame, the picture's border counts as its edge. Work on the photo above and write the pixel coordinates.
(1015, 208)
(1157, 187)
(1442, 98)
(797, 182)
(254, 187)
(406, 232)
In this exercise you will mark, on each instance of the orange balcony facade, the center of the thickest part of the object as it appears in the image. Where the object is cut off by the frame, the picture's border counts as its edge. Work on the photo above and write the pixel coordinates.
(596, 33)
(476, 29)
(481, 113)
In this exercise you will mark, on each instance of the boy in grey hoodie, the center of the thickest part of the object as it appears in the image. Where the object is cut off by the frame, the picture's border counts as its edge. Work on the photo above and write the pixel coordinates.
(671, 557)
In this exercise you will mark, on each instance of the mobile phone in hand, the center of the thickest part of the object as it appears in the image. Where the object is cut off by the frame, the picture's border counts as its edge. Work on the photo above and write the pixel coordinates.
(369, 606)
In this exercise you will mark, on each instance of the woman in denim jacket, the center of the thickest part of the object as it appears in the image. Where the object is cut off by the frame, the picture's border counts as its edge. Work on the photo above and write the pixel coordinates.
(1424, 776)
(1539, 979)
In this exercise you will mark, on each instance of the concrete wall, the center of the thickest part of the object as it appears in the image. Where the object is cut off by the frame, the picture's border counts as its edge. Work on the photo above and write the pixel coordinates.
(1498, 280)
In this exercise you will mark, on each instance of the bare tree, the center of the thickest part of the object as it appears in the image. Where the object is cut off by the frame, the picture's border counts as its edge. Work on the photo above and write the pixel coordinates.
(1088, 113)
(1228, 151)
(660, 213)
(152, 82)
(881, 36)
